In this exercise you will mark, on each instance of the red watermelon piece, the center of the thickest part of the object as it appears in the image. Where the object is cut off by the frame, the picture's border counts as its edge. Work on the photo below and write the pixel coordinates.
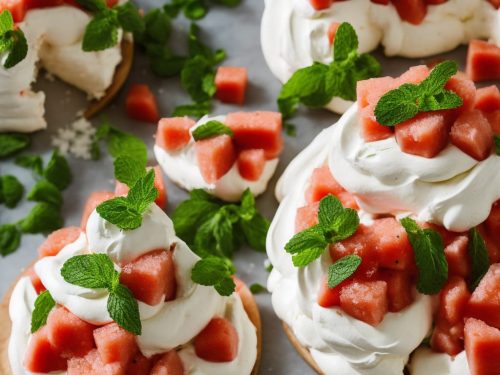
(348, 200)
(493, 221)
(482, 346)
(487, 99)
(485, 301)
(257, 130)
(122, 189)
(448, 338)
(332, 31)
(35, 280)
(141, 105)
(139, 365)
(68, 334)
(329, 297)
(453, 300)
(424, 135)
(169, 364)
(365, 300)
(173, 133)
(115, 345)
(57, 240)
(411, 11)
(370, 91)
(321, 4)
(217, 342)
(472, 134)
(492, 245)
(461, 85)
(231, 83)
(495, 3)
(321, 184)
(399, 289)
(215, 157)
(494, 120)
(456, 253)
(371, 130)
(306, 217)
(151, 278)
(92, 364)
(251, 164)
(41, 356)
(415, 75)
(94, 200)
(483, 61)
(17, 8)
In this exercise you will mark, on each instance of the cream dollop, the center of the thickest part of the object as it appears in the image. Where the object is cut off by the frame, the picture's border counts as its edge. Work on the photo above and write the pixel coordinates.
(425, 361)
(54, 38)
(182, 168)
(294, 35)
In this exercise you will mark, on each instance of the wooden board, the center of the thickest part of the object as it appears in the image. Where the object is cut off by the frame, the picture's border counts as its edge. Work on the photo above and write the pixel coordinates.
(303, 351)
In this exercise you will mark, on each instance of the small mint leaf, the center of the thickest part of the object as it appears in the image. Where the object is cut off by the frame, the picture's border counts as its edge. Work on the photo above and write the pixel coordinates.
(11, 144)
(342, 269)
(124, 309)
(93, 271)
(478, 254)
(119, 212)
(11, 190)
(58, 171)
(129, 170)
(43, 306)
(211, 129)
(143, 193)
(45, 191)
(43, 218)
(10, 239)
(101, 32)
(346, 42)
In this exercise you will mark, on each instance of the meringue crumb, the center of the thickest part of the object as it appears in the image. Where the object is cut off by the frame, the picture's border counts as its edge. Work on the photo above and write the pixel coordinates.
(76, 139)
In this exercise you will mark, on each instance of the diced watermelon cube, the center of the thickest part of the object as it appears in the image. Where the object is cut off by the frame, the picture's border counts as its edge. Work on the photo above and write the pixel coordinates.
(494, 120)
(483, 61)
(92, 364)
(68, 334)
(399, 289)
(482, 346)
(332, 31)
(348, 200)
(472, 134)
(94, 200)
(122, 189)
(415, 75)
(453, 300)
(255, 130)
(321, 4)
(448, 338)
(370, 91)
(306, 217)
(493, 222)
(424, 135)
(169, 364)
(392, 245)
(457, 257)
(17, 8)
(485, 301)
(57, 240)
(215, 157)
(231, 83)
(365, 300)
(115, 344)
(411, 11)
(151, 278)
(488, 99)
(461, 85)
(139, 365)
(35, 280)
(251, 164)
(217, 342)
(141, 105)
(371, 130)
(329, 297)
(41, 356)
(321, 184)
(173, 133)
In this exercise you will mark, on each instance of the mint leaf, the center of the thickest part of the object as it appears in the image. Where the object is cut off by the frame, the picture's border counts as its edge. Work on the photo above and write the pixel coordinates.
(255, 231)
(194, 110)
(119, 212)
(211, 129)
(6, 22)
(225, 287)
(307, 256)
(496, 140)
(43, 218)
(11, 144)
(257, 288)
(157, 26)
(337, 222)
(120, 143)
(58, 171)
(10, 238)
(192, 78)
(124, 309)
(195, 9)
(45, 191)
(247, 206)
(33, 162)
(93, 271)
(478, 254)
(93, 5)
(11, 190)
(43, 306)
(346, 42)
(101, 32)
(129, 170)
(129, 18)
(398, 105)
(307, 246)
(428, 247)
(290, 129)
(143, 193)
(342, 269)
(438, 77)
(214, 271)
(18, 49)
(215, 236)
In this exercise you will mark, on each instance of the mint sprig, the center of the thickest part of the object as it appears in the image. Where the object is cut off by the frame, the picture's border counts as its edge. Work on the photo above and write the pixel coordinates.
(129, 170)
(11, 144)
(336, 223)
(431, 261)
(479, 258)
(342, 269)
(12, 41)
(211, 129)
(216, 272)
(96, 271)
(43, 306)
(315, 86)
(409, 99)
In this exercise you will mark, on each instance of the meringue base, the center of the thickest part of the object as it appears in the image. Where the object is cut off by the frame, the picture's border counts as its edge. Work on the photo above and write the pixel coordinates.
(302, 350)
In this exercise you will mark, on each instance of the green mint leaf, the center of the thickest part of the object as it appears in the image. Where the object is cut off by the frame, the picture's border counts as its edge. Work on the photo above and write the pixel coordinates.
(307, 256)
(157, 26)
(307, 246)
(257, 288)
(479, 258)
(255, 231)
(342, 269)
(290, 129)
(11, 144)
(11, 190)
(101, 32)
(428, 247)
(443, 100)
(225, 287)
(398, 105)
(93, 271)
(129, 18)
(196, 110)
(129, 170)
(10, 239)
(496, 140)
(93, 5)
(43, 218)
(45, 191)
(143, 192)
(33, 162)
(44, 304)
(337, 222)
(215, 236)
(438, 77)
(18, 49)
(269, 267)
(124, 309)
(119, 212)
(193, 78)
(214, 271)
(211, 129)
(228, 3)
(195, 9)
(167, 65)
(6, 22)
(172, 10)
(247, 206)
(346, 42)
(58, 171)
(197, 48)
(122, 144)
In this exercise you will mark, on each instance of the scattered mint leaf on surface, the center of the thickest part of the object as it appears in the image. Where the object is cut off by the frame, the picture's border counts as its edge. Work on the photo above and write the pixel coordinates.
(11, 190)
(408, 100)
(129, 170)
(10, 239)
(11, 144)
(195, 9)
(478, 254)
(120, 143)
(45, 191)
(215, 271)
(247, 206)
(257, 288)
(124, 309)
(193, 78)
(496, 140)
(431, 262)
(33, 162)
(44, 304)
(58, 171)
(290, 129)
(211, 129)
(194, 110)
(93, 271)
(43, 218)
(157, 26)
(129, 18)
(342, 269)
(101, 32)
